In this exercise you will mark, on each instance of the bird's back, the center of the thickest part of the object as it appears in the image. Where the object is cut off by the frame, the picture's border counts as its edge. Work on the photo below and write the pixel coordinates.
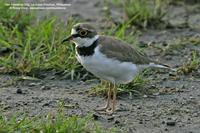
(117, 49)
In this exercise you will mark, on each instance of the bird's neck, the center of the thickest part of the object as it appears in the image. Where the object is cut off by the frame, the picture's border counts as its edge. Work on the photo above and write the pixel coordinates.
(87, 50)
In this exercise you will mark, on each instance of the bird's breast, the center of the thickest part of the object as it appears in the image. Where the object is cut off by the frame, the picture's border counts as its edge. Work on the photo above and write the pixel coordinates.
(107, 68)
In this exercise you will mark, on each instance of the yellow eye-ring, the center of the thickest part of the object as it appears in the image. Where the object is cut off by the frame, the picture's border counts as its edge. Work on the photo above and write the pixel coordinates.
(83, 32)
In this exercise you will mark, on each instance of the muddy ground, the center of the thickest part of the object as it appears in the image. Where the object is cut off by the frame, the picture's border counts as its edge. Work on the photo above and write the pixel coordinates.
(174, 109)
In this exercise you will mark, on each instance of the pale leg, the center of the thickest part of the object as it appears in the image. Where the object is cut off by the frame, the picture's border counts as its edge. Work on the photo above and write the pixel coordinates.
(108, 100)
(113, 107)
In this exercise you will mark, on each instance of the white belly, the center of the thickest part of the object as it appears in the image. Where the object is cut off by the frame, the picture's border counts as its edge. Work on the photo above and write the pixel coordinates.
(108, 69)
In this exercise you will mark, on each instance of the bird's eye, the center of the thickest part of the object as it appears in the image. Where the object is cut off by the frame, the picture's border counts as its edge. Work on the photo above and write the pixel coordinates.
(83, 33)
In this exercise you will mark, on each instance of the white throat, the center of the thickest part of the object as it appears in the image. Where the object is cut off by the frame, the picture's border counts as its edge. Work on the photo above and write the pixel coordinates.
(81, 42)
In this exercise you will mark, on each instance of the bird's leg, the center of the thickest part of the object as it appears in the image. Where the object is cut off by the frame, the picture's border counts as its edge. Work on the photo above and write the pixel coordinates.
(108, 100)
(113, 107)
(114, 98)
(109, 96)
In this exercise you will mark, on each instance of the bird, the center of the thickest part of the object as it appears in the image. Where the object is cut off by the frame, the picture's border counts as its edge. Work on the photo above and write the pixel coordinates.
(109, 59)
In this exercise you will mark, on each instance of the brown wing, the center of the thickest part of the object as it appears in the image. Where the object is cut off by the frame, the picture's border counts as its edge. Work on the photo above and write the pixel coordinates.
(120, 50)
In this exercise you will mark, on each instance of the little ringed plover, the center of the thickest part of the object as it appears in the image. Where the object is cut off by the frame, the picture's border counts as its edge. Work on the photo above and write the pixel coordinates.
(108, 58)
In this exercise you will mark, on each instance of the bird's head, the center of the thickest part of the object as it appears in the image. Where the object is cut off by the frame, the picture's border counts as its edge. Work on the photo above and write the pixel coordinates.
(82, 34)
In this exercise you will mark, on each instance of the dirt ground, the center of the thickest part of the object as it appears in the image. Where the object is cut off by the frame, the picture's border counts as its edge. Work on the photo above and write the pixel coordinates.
(175, 109)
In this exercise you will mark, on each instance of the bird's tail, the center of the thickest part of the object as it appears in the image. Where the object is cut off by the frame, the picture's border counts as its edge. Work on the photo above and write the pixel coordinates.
(163, 66)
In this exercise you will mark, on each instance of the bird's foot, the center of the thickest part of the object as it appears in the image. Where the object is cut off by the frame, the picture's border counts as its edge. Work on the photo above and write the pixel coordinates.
(101, 108)
(107, 111)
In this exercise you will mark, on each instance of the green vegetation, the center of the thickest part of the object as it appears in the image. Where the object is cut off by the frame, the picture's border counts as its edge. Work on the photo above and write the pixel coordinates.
(192, 64)
(135, 88)
(181, 43)
(139, 13)
(101, 88)
(50, 124)
(35, 46)
(143, 13)
(54, 122)
(125, 32)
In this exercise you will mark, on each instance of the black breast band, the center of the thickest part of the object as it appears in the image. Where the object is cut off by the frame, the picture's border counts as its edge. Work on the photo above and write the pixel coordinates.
(87, 51)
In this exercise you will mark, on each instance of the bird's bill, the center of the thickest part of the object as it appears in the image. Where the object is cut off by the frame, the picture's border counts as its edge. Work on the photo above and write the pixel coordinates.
(67, 39)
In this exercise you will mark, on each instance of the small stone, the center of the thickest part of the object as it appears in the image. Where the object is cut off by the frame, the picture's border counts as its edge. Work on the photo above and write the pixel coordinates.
(141, 122)
(143, 44)
(110, 118)
(156, 94)
(117, 122)
(145, 96)
(105, 8)
(6, 107)
(172, 74)
(34, 84)
(8, 97)
(165, 44)
(139, 107)
(97, 4)
(95, 116)
(163, 78)
(192, 97)
(19, 91)
(45, 104)
(168, 57)
(45, 88)
(171, 123)
(195, 115)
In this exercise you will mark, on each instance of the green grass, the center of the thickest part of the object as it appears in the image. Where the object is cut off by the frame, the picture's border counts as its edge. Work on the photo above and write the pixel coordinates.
(143, 14)
(125, 32)
(135, 88)
(52, 123)
(37, 45)
(192, 65)
(139, 13)
(181, 43)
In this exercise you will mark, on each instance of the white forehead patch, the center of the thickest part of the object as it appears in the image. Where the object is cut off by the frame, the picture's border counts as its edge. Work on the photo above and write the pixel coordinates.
(73, 31)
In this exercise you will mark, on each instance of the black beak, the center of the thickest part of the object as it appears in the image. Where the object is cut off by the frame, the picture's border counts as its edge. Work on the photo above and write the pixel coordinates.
(67, 39)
